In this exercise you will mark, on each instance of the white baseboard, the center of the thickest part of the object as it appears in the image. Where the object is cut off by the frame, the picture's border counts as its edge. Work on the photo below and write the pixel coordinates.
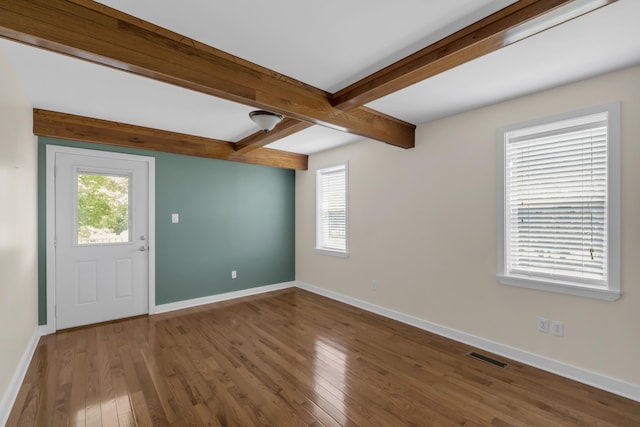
(613, 385)
(11, 394)
(46, 330)
(179, 305)
(164, 308)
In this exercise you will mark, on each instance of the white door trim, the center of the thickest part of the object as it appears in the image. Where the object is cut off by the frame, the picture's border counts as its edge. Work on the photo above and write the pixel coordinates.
(50, 327)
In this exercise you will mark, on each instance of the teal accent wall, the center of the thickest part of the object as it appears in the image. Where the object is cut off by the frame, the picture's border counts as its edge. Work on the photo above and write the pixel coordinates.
(233, 216)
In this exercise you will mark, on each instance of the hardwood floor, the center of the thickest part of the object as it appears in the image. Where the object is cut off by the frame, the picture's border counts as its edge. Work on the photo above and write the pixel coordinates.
(290, 358)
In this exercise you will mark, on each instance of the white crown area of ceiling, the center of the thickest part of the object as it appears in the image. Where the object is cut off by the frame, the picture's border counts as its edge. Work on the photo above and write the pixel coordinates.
(328, 45)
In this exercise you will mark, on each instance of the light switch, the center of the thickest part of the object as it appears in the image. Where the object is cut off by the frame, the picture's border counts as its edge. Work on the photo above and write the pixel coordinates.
(175, 218)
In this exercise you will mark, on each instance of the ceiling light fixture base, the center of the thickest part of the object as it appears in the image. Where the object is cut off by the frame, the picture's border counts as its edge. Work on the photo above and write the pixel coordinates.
(265, 119)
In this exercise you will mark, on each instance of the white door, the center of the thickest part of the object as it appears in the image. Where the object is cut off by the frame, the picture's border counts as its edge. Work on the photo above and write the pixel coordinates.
(101, 237)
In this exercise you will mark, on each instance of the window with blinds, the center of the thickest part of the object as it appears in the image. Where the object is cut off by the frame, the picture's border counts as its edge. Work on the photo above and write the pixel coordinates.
(556, 201)
(331, 209)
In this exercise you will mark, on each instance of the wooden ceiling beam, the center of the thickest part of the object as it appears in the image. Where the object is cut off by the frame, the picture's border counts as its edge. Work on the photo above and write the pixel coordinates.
(287, 127)
(503, 28)
(91, 31)
(498, 30)
(79, 128)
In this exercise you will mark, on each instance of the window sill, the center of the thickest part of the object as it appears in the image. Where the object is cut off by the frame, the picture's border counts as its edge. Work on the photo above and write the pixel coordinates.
(561, 288)
(332, 253)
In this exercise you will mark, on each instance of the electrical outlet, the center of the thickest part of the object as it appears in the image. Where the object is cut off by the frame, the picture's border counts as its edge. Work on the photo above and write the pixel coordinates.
(234, 274)
(374, 285)
(557, 328)
(543, 325)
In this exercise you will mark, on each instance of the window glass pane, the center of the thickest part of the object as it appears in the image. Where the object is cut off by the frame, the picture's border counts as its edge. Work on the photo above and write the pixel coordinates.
(332, 209)
(559, 208)
(102, 209)
(556, 201)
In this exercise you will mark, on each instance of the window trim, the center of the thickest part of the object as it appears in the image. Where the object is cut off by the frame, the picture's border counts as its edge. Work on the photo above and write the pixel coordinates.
(612, 292)
(321, 250)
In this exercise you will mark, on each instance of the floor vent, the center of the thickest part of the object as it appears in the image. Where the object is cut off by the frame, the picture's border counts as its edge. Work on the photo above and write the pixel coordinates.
(487, 359)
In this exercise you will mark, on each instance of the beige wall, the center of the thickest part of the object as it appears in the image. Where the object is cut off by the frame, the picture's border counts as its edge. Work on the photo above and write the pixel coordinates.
(18, 224)
(423, 224)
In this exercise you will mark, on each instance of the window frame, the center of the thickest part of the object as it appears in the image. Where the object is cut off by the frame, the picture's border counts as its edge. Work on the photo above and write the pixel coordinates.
(612, 290)
(319, 249)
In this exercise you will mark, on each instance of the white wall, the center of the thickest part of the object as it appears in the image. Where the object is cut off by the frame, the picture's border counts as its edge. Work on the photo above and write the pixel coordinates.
(423, 224)
(18, 231)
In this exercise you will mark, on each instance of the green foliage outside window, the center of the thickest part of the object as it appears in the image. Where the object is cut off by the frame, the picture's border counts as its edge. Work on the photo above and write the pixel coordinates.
(103, 204)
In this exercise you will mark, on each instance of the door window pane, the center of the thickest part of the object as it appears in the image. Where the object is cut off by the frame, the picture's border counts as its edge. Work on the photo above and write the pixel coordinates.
(103, 209)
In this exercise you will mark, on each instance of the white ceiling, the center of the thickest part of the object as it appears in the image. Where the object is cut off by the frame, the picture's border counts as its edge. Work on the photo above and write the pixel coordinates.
(328, 44)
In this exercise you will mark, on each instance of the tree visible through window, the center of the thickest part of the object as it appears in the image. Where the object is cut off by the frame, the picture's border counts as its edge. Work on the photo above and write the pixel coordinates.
(103, 208)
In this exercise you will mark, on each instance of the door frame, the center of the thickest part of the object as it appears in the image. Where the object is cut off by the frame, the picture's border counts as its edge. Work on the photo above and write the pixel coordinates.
(51, 151)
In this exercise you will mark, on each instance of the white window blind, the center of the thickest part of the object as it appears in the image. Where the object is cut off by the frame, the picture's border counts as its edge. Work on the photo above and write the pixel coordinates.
(331, 221)
(556, 201)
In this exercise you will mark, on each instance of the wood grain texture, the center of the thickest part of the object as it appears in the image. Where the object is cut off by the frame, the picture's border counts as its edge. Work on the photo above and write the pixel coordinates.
(481, 38)
(68, 126)
(290, 358)
(93, 32)
(285, 128)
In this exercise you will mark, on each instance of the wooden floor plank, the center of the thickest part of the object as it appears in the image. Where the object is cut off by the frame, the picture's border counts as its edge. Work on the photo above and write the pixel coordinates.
(290, 358)
(116, 345)
(62, 412)
(93, 408)
(78, 398)
(106, 393)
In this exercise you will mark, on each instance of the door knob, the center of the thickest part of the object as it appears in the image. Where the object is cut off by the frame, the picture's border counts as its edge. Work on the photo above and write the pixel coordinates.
(142, 249)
